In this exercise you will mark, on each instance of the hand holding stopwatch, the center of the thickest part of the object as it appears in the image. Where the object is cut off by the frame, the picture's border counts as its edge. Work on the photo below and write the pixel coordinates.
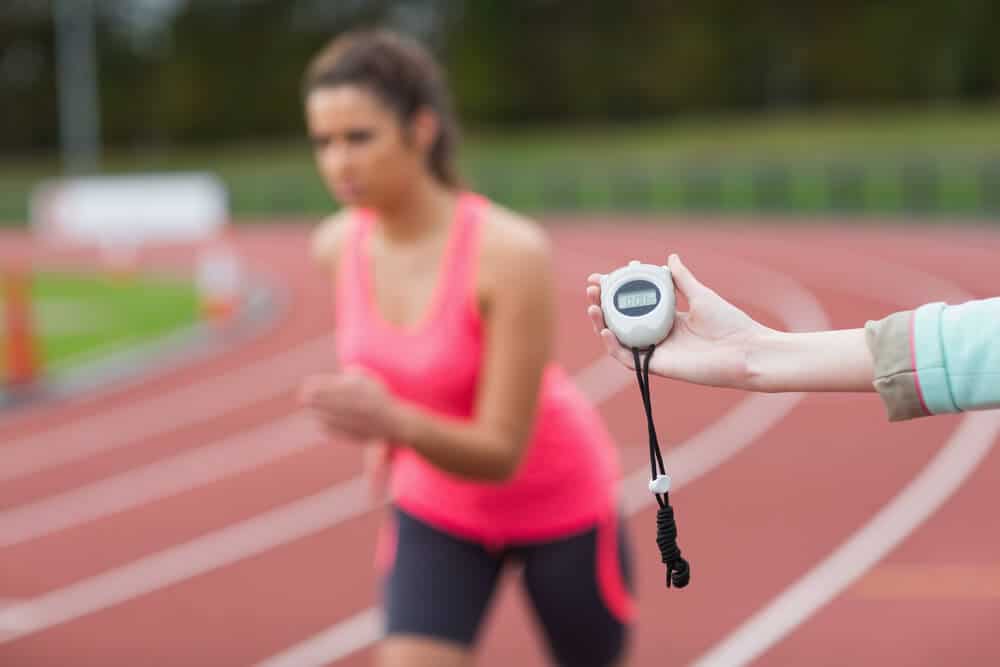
(639, 304)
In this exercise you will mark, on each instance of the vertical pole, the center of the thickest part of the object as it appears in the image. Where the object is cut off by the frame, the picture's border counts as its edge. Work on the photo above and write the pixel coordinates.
(76, 62)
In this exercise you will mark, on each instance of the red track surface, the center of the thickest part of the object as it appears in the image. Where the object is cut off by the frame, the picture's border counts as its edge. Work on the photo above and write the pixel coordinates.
(116, 589)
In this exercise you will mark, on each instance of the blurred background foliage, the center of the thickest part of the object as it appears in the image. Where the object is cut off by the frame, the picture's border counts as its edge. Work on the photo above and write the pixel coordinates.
(636, 104)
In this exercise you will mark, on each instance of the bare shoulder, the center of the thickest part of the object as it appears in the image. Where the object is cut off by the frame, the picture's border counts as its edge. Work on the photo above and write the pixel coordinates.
(511, 240)
(328, 237)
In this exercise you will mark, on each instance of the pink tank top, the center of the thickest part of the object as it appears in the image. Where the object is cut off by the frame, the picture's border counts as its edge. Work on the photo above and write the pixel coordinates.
(567, 475)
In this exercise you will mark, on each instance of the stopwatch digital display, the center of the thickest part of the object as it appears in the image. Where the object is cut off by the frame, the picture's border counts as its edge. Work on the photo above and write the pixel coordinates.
(637, 297)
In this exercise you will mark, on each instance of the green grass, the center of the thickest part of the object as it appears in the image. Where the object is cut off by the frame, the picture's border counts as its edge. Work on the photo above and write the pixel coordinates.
(81, 318)
(722, 163)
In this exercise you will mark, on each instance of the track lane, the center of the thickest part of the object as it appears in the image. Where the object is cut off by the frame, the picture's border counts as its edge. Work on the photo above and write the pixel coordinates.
(842, 315)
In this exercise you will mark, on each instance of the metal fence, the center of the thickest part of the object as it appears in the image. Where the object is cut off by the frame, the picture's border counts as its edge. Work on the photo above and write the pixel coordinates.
(921, 187)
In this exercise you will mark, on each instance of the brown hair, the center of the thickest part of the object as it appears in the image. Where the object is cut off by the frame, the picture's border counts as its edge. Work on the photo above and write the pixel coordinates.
(402, 74)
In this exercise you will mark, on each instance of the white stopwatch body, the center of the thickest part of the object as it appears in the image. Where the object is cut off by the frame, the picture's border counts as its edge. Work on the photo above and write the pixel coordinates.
(638, 303)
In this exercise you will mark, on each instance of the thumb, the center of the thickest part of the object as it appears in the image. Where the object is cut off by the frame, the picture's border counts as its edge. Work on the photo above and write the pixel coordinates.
(684, 279)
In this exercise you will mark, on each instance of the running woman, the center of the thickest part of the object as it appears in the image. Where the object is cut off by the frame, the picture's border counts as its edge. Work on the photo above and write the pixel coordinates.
(444, 312)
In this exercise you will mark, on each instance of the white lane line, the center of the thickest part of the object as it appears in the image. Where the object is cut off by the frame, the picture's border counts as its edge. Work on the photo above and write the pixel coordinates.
(338, 641)
(139, 421)
(918, 500)
(236, 542)
(700, 454)
(161, 479)
(942, 477)
(241, 452)
(14, 621)
(292, 521)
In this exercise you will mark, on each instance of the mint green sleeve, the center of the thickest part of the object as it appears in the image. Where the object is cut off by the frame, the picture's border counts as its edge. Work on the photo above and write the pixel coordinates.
(957, 352)
(937, 359)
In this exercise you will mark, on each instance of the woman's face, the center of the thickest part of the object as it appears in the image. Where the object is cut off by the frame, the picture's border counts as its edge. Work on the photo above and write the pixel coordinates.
(360, 146)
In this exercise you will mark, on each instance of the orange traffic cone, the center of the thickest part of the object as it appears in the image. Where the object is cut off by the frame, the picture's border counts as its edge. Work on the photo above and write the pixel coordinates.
(22, 358)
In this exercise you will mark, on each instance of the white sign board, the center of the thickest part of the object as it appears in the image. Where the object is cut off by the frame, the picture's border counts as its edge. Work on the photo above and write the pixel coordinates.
(131, 210)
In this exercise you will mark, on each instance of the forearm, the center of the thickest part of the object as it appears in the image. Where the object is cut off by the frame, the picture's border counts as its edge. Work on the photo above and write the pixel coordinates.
(463, 448)
(816, 361)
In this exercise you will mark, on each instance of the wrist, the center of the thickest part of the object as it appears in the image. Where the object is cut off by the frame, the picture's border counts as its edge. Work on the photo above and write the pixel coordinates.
(406, 422)
(403, 423)
(761, 351)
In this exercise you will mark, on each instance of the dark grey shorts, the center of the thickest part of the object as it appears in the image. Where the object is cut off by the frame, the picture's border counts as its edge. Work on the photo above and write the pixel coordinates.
(439, 586)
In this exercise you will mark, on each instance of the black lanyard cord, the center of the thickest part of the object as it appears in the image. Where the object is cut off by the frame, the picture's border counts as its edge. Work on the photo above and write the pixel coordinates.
(678, 570)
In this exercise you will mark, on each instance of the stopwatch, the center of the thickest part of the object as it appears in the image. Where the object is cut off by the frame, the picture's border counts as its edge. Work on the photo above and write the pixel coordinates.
(639, 307)
(638, 303)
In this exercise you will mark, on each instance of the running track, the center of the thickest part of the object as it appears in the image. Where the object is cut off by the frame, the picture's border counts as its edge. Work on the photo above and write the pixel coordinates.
(197, 518)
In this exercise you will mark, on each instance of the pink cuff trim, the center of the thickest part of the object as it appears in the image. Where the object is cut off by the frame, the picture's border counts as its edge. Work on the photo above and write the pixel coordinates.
(913, 362)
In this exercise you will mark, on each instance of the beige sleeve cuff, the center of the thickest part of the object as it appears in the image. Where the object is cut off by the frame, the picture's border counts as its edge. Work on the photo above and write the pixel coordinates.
(895, 377)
